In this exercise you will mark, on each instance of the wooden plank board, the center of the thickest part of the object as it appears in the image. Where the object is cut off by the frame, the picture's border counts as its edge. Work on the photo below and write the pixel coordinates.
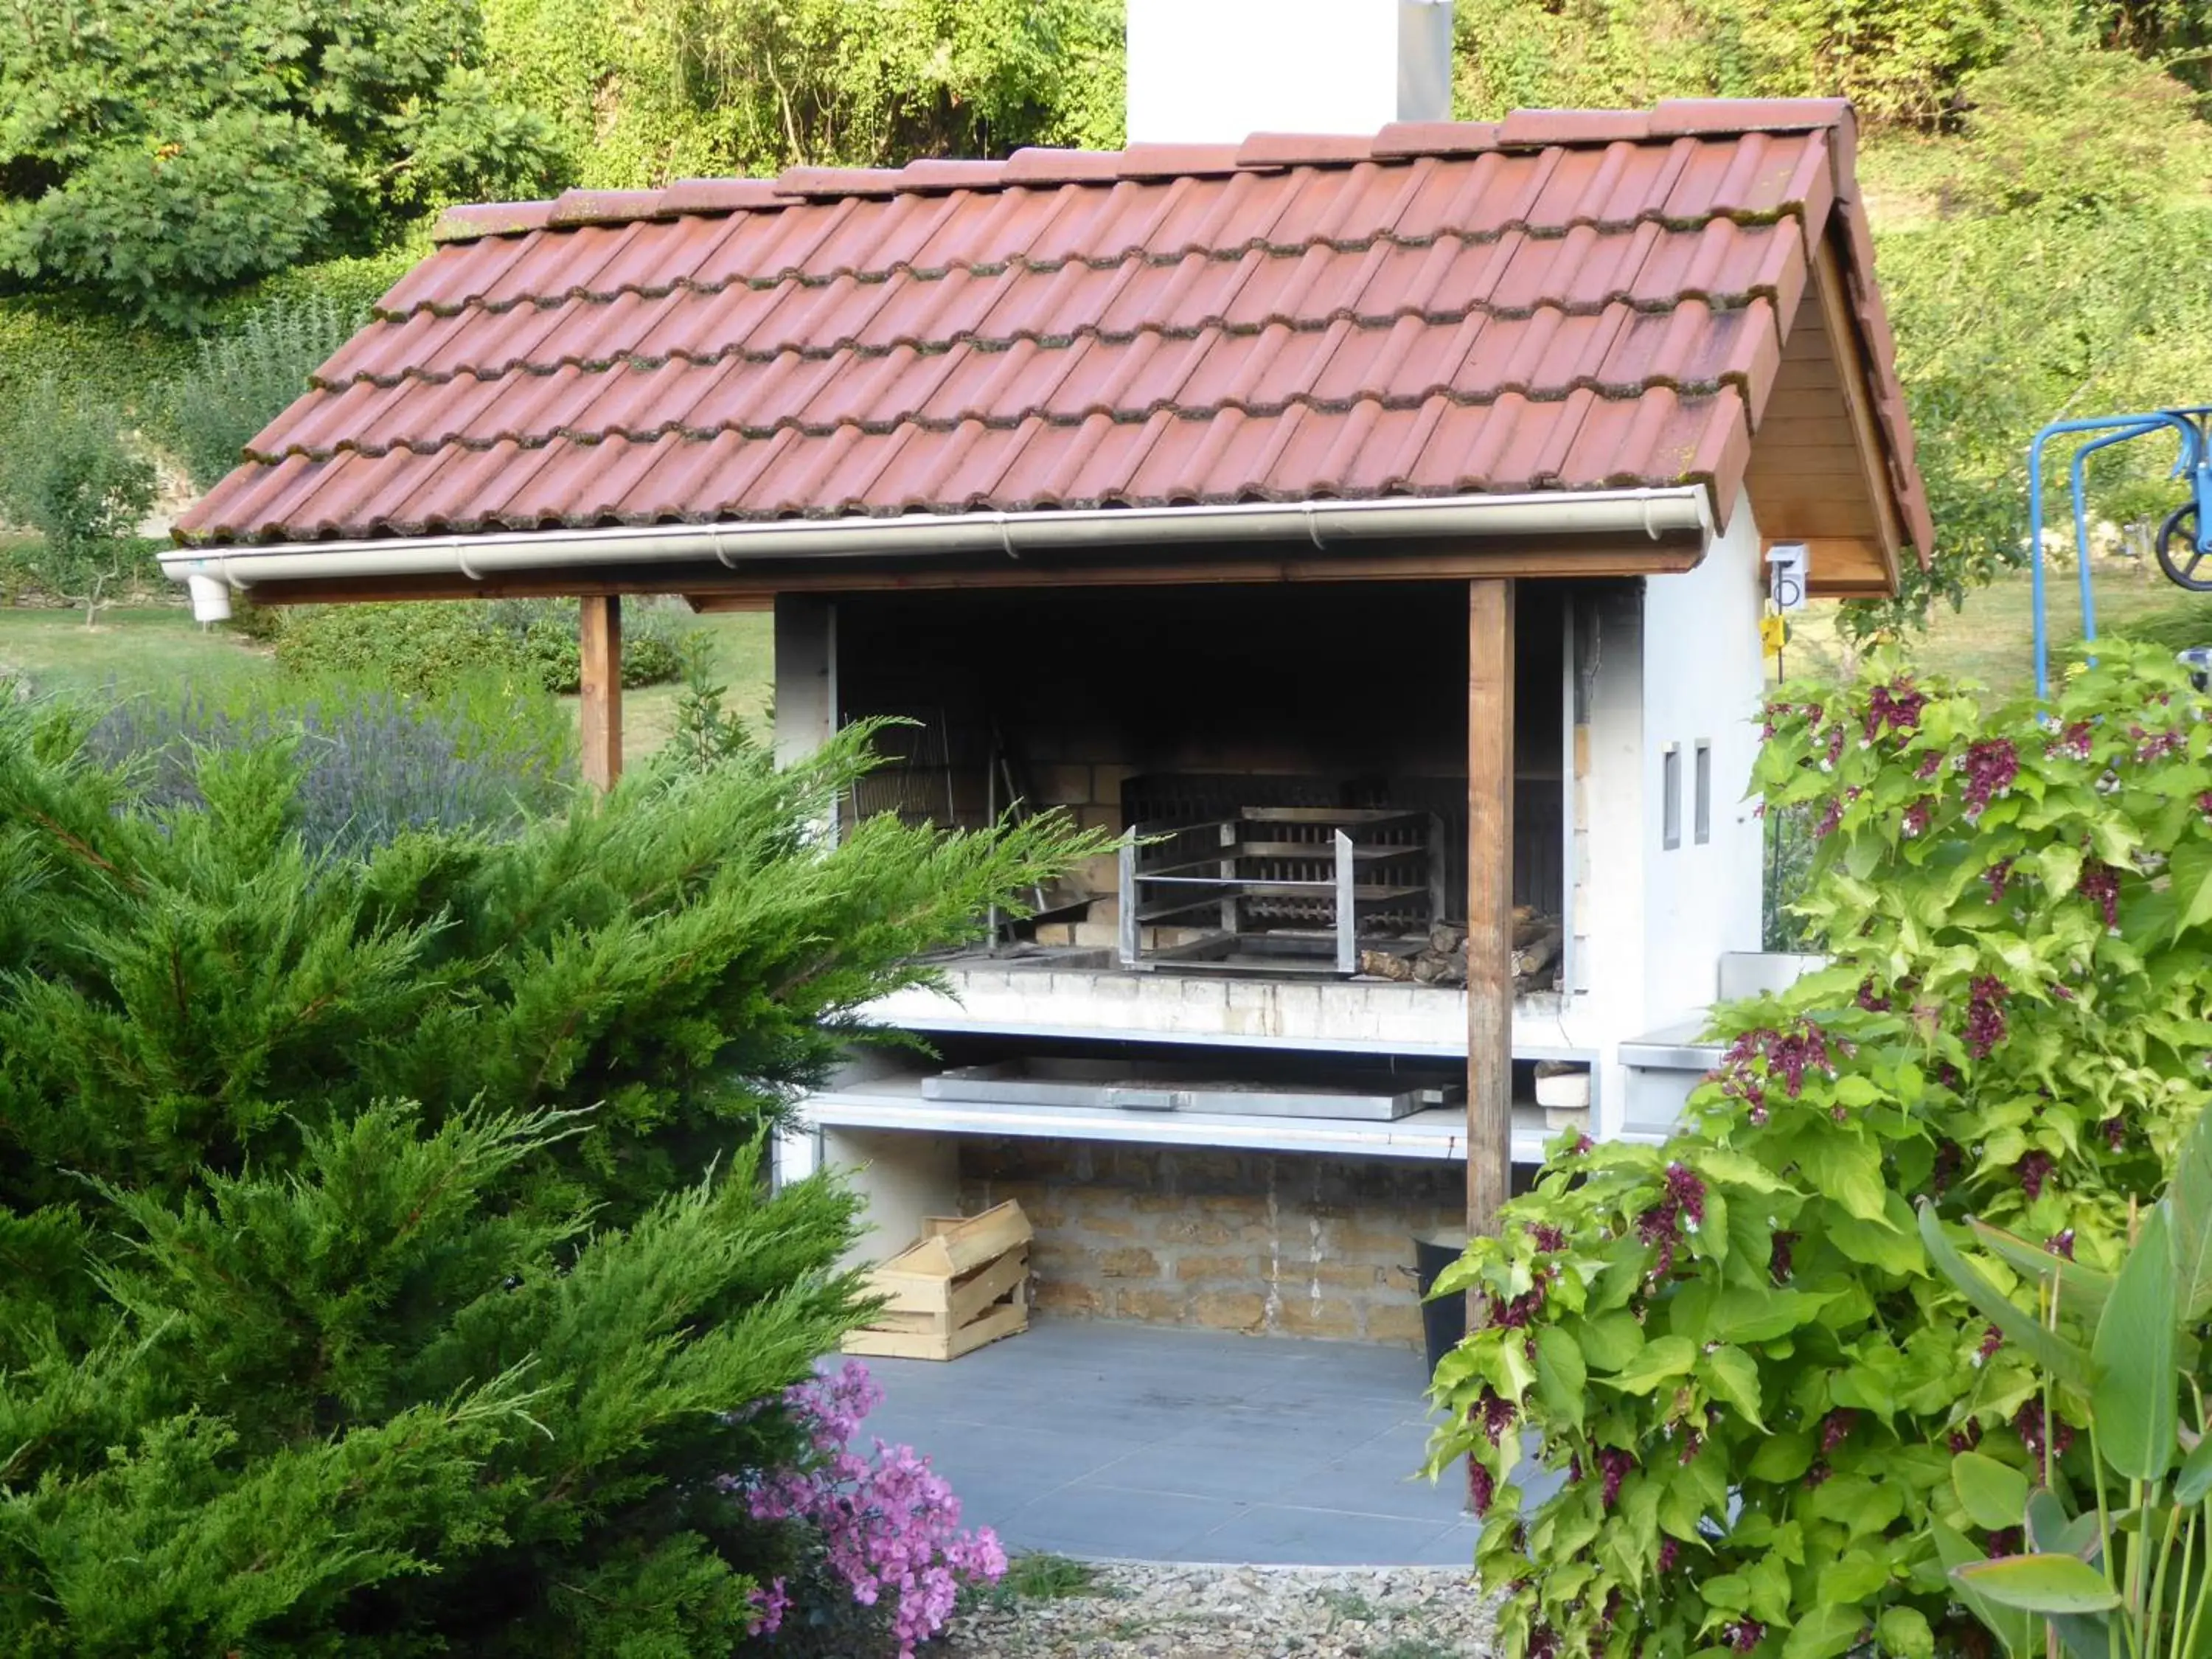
(973, 1296)
(1002, 1321)
(971, 1241)
(1489, 901)
(601, 640)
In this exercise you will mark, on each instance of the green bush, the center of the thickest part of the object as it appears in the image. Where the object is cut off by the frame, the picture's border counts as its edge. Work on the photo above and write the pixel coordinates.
(417, 650)
(1733, 1344)
(68, 472)
(389, 1265)
(426, 646)
(247, 374)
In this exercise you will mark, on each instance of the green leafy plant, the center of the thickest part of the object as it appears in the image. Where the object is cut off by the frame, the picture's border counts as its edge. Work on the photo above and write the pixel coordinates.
(247, 374)
(1733, 1345)
(68, 472)
(2127, 1574)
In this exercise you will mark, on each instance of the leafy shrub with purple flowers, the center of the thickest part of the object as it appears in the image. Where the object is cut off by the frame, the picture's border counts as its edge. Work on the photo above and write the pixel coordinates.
(484, 755)
(879, 1557)
(1734, 1346)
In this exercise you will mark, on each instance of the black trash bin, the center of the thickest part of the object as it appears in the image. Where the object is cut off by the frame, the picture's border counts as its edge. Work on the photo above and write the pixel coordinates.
(1444, 1321)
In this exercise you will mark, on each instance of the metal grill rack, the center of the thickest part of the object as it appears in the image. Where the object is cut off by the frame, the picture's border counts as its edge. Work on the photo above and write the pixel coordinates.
(1292, 889)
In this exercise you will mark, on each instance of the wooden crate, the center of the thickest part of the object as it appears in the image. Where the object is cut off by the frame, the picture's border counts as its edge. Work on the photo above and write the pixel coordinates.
(964, 1283)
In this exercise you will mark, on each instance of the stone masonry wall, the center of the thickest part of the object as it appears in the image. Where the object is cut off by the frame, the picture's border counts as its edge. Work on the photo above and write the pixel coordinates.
(1271, 1244)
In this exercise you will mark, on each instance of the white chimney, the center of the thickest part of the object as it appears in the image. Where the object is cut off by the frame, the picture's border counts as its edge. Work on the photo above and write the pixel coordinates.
(1216, 71)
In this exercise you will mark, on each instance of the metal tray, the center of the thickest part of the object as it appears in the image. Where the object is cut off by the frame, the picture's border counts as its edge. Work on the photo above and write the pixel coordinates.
(1156, 1087)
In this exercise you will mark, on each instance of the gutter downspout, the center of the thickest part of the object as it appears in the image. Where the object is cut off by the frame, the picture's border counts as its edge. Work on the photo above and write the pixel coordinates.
(1648, 512)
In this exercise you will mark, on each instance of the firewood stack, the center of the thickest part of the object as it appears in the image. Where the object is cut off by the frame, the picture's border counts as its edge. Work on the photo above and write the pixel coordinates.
(1442, 960)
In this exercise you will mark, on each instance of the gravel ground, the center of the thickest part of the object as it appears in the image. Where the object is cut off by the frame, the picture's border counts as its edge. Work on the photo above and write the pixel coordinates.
(1133, 1611)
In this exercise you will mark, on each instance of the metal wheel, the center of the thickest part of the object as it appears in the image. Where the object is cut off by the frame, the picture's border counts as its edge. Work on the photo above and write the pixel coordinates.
(2179, 553)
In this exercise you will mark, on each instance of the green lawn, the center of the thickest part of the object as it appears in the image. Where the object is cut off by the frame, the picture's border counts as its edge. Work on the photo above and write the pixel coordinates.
(1991, 641)
(125, 652)
(164, 650)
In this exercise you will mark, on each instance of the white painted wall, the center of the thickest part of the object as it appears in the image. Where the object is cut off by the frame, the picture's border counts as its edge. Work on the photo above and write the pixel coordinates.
(1703, 678)
(1216, 71)
(1610, 865)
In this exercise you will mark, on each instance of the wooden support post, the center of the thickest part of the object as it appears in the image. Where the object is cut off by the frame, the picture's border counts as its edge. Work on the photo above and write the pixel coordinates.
(602, 686)
(1489, 901)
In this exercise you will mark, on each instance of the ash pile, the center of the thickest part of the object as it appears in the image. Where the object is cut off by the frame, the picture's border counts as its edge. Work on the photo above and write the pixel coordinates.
(1441, 958)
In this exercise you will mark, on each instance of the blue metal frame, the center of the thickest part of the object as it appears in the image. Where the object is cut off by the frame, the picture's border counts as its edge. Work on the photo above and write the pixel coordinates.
(2195, 461)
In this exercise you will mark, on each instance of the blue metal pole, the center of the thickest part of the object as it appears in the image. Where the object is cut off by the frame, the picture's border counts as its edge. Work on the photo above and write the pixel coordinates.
(2138, 424)
(2080, 470)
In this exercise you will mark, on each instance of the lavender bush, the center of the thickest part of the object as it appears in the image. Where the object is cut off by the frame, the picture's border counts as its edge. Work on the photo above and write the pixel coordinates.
(883, 1558)
(376, 765)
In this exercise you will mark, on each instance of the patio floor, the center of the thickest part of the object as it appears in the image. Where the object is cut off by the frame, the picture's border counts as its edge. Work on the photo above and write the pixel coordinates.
(1130, 1442)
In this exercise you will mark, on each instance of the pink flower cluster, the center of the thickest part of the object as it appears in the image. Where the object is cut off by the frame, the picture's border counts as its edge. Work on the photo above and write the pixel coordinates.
(889, 1525)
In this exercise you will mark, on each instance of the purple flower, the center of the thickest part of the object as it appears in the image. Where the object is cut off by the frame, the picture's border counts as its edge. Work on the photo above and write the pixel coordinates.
(1998, 875)
(1744, 1635)
(1930, 765)
(1992, 1339)
(1613, 1464)
(2005, 1540)
(1669, 1552)
(1836, 1428)
(1480, 1489)
(888, 1526)
(2100, 884)
(1985, 1019)
(1990, 768)
(1897, 706)
(2033, 1168)
(1914, 823)
(2032, 1425)
(772, 1604)
(1967, 1439)
(2151, 747)
(2072, 743)
(1686, 1193)
(2115, 1132)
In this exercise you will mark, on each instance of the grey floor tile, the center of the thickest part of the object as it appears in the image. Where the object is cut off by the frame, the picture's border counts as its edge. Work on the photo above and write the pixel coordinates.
(1379, 1482)
(1115, 1440)
(1276, 1534)
(1097, 1521)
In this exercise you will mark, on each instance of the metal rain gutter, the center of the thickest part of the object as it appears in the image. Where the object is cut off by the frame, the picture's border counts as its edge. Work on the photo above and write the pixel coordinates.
(732, 546)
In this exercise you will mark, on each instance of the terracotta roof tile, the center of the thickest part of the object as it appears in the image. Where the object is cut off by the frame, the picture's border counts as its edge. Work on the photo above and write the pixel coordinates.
(1566, 300)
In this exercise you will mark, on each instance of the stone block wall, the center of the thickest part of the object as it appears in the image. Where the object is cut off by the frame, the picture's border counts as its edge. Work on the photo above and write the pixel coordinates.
(1276, 1244)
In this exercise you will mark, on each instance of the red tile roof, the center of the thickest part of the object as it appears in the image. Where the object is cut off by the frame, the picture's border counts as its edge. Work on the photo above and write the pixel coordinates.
(1563, 300)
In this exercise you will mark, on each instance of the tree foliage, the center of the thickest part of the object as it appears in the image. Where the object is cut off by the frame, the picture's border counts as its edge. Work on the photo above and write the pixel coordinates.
(654, 90)
(158, 155)
(386, 1260)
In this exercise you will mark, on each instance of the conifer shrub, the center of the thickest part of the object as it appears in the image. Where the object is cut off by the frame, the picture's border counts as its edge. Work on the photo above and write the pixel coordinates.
(1734, 1346)
(387, 1265)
